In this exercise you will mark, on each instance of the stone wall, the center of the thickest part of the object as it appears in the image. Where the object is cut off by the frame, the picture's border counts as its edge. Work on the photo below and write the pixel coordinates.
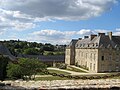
(110, 61)
(67, 56)
(66, 84)
(87, 58)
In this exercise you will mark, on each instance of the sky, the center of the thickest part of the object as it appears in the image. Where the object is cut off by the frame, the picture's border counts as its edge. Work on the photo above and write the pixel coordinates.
(57, 21)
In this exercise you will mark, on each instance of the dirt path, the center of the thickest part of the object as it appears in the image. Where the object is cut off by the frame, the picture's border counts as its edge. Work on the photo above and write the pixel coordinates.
(80, 68)
(75, 73)
(71, 72)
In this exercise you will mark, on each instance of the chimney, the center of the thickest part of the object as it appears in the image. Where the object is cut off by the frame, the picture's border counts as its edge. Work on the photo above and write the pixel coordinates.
(101, 34)
(110, 35)
(86, 37)
(79, 38)
(92, 36)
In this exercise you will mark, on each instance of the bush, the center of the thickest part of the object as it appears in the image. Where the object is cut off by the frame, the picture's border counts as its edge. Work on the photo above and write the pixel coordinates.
(47, 53)
(14, 71)
(61, 65)
(25, 68)
(3, 62)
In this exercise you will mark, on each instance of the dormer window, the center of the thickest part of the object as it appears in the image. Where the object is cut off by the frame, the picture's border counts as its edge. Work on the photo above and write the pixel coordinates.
(80, 45)
(108, 46)
(96, 44)
(83, 44)
(88, 45)
(117, 48)
(76, 45)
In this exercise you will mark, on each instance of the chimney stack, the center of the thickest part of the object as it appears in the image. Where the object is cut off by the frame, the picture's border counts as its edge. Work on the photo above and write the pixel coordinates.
(110, 35)
(86, 37)
(79, 38)
(92, 36)
(101, 34)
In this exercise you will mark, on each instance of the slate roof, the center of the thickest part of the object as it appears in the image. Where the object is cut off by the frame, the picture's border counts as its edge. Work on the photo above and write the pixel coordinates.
(5, 52)
(99, 42)
(49, 58)
(72, 43)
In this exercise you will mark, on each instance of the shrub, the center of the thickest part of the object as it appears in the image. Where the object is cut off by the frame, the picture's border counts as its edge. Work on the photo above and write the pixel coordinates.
(61, 65)
(76, 77)
(25, 68)
(47, 53)
(3, 62)
(61, 75)
(54, 74)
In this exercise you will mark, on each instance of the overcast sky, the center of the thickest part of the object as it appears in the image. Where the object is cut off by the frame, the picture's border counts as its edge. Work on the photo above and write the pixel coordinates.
(57, 21)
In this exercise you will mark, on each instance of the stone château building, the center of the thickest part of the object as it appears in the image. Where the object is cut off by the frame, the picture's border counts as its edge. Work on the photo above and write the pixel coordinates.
(97, 53)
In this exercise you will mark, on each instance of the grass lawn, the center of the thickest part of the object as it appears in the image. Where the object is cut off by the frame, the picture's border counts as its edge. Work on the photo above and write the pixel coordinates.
(116, 77)
(51, 78)
(55, 71)
(58, 72)
(65, 78)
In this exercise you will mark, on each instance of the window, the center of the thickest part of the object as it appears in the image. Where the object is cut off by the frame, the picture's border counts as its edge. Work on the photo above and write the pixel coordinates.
(110, 57)
(90, 66)
(94, 56)
(91, 56)
(82, 54)
(117, 58)
(94, 66)
(102, 57)
(86, 55)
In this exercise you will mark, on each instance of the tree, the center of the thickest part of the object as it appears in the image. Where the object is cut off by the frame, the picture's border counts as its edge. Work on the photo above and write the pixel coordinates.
(48, 47)
(14, 71)
(3, 62)
(25, 68)
(31, 51)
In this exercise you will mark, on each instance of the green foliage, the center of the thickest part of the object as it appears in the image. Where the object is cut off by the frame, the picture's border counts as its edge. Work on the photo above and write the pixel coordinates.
(48, 47)
(3, 62)
(58, 72)
(50, 78)
(17, 47)
(25, 68)
(47, 53)
(14, 71)
(61, 65)
(31, 51)
(53, 53)
(58, 53)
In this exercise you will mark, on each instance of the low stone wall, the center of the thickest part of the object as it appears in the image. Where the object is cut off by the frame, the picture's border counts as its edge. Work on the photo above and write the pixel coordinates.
(66, 84)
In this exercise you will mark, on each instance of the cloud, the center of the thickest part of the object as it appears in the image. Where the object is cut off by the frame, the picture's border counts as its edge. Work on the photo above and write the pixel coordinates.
(22, 14)
(117, 29)
(63, 37)
(19, 26)
(101, 31)
(51, 36)
(59, 9)
(60, 37)
(85, 32)
(15, 20)
(116, 33)
(2, 32)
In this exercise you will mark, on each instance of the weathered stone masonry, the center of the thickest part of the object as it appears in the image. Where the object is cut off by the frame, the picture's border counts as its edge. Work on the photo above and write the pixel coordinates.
(98, 53)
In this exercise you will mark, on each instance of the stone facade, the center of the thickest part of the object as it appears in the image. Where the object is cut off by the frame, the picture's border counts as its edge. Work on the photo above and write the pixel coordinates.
(70, 53)
(99, 53)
